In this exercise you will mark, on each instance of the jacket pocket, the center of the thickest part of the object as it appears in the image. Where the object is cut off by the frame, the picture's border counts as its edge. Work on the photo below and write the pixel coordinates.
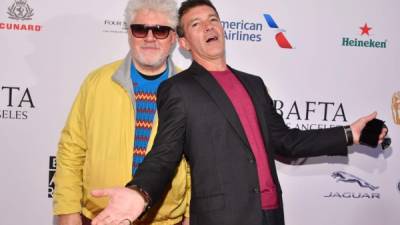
(207, 203)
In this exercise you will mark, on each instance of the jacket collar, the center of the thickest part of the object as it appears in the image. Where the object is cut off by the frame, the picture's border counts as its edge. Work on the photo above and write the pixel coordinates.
(208, 82)
(122, 75)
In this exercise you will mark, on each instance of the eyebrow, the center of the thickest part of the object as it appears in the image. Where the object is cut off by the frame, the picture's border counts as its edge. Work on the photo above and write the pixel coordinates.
(192, 20)
(197, 18)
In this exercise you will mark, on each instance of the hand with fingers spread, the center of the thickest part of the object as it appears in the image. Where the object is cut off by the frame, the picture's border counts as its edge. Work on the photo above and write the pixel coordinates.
(125, 205)
(359, 125)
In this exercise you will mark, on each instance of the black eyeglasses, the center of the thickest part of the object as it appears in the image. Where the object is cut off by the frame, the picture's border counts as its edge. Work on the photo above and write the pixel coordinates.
(159, 31)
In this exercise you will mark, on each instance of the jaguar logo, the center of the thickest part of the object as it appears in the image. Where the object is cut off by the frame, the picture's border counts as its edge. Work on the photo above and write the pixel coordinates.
(342, 176)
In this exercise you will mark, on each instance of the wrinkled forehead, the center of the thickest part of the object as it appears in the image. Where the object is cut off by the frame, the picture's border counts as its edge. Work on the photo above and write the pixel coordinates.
(198, 13)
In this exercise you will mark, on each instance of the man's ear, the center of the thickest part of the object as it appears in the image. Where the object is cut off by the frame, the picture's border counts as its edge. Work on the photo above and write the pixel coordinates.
(183, 43)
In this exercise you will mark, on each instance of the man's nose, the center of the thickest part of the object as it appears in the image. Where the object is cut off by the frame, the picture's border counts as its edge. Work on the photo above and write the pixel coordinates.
(150, 36)
(207, 26)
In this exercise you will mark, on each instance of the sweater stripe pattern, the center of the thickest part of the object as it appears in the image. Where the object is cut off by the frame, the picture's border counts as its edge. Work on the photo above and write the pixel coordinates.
(145, 94)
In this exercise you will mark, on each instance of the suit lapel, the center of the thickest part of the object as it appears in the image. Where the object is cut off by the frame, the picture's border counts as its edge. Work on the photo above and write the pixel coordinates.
(218, 95)
(258, 107)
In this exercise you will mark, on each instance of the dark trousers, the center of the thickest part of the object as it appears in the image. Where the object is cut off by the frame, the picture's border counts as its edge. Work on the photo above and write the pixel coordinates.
(271, 217)
(85, 220)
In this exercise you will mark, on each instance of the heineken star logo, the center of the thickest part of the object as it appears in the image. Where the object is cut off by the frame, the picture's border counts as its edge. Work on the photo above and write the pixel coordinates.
(364, 41)
(365, 29)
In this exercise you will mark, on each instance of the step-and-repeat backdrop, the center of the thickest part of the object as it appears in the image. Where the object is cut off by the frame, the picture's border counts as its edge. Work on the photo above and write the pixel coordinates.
(326, 63)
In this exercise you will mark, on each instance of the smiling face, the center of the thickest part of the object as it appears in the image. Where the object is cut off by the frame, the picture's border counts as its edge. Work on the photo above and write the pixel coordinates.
(203, 36)
(149, 53)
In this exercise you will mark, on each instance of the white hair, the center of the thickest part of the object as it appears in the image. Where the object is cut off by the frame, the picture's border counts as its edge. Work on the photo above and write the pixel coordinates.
(169, 7)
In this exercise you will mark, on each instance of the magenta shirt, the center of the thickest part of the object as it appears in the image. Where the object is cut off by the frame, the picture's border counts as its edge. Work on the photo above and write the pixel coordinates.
(247, 114)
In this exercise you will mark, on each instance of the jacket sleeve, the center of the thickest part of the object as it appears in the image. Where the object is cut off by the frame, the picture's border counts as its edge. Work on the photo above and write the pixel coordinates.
(302, 143)
(159, 166)
(70, 159)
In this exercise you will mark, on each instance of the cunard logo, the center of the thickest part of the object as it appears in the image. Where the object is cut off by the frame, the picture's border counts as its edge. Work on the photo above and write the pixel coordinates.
(20, 10)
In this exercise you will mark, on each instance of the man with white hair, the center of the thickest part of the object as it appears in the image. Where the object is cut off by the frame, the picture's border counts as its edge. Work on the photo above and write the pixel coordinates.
(113, 122)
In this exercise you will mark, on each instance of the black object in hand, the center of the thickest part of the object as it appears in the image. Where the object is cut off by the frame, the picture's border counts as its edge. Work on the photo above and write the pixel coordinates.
(386, 143)
(370, 133)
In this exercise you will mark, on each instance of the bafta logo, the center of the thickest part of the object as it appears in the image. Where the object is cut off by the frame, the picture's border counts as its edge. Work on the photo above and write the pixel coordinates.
(396, 107)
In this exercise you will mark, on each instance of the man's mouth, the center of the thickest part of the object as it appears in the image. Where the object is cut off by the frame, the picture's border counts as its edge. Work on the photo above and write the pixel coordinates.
(149, 48)
(211, 38)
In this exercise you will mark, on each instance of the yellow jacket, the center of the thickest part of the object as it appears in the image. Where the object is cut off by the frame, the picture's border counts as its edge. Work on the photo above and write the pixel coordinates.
(96, 146)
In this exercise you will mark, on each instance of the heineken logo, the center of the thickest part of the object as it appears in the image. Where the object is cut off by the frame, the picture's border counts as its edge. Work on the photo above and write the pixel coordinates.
(364, 41)
(354, 42)
(365, 29)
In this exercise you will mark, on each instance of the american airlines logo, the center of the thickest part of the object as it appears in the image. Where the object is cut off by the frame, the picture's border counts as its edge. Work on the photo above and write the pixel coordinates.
(280, 37)
(242, 30)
